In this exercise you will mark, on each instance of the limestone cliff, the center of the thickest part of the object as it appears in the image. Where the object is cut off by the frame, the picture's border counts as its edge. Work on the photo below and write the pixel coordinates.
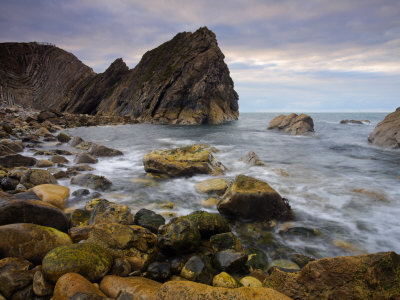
(183, 81)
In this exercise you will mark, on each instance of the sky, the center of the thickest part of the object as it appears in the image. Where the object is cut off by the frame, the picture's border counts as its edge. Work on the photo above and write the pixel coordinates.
(283, 55)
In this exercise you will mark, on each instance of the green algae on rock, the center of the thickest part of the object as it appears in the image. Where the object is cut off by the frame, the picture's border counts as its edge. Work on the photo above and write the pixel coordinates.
(90, 260)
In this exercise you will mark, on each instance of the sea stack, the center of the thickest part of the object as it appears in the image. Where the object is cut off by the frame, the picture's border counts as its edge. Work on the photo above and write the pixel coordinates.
(183, 81)
(387, 132)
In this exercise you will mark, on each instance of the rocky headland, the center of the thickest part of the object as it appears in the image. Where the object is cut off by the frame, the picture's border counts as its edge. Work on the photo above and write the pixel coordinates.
(183, 81)
(50, 248)
(387, 132)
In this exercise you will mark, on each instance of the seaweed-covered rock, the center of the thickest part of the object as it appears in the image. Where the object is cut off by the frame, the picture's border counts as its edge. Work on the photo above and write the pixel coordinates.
(16, 160)
(187, 290)
(30, 241)
(184, 161)
(92, 181)
(100, 150)
(207, 223)
(370, 276)
(109, 212)
(293, 124)
(253, 199)
(54, 194)
(79, 217)
(179, 236)
(142, 287)
(149, 219)
(33, 177)
(132, 242)
(214, 185)
(13, 210)
(90, 260)
(71, 283)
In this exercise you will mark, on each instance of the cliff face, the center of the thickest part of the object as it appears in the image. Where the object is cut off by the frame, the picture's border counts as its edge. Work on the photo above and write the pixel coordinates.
(183, 81)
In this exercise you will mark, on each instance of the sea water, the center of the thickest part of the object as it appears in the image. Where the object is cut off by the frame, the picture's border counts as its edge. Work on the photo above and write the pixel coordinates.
(337, 184)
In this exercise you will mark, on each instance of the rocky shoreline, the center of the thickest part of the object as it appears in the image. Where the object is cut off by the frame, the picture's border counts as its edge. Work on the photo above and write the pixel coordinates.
(105, 251)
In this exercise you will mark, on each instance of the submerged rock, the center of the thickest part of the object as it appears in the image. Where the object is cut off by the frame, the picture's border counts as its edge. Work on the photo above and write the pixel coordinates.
(253, 199)
(89, 260)
(359, 122)
(30, 241)
(293, 124)
(371, 276)
(252, 159)
(387, 132)
(184, 161)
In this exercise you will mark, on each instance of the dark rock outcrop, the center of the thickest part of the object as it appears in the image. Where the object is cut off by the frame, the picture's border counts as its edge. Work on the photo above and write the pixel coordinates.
(183, 81)
(293, 124)
(387, 132)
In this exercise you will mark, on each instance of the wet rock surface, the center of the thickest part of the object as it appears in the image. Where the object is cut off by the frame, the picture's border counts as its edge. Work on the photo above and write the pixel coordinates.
(387, 132)
(293, 124)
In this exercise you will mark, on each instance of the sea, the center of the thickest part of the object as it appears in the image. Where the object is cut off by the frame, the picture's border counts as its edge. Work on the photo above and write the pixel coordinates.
(345, 192)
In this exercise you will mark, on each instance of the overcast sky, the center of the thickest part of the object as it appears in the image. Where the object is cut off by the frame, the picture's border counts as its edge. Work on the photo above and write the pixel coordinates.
(284, 55)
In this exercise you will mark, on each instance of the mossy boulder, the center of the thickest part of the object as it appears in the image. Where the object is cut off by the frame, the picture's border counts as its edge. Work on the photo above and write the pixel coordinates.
(207, 223)
(90, 260)
(225, 280)
(135, 243)
(91, 181)
(224, 241)
(184, 161)
(187, 290)
(214, 185)
(370, 276)
(79, 217)
(30, 241)
(63, 138)
(54, 194)
(34, 177)
(105, 211)
(149, 219)
(180, 235)
(253, 199)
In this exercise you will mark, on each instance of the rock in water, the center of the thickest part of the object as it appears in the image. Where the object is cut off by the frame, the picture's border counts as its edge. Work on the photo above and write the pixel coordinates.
(293, 124)
(184, 161)
(370, 276)
(183, 81)
(387, 132)
(253, 199)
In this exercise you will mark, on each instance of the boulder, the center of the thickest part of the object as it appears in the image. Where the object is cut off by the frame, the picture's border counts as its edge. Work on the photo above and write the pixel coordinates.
(109, 212)
(387, 132)
(8, 183)
(91, 181)
(63, 138)
(71, 283)
(184, 161)
(85, 158)
(76, 140)
(42, 131)
(145, 288)
(252, 159)
(45, 115)
(230, 260)
(54, 194)
(187, 290)
(58, 159)
(159, 271)
(149, 219)
(30, 241)
(100, 150)
(41, 287)
(34, 177)
(15, 146)
(250, 281)
(370, 276)
(135, 243)
(198, 268)
(121, 267)
(358, 122)
(15, 274)
(224, 280)
(225, 241)
(207, 223)
(44, 163)
(80, 233)
(90, 260)
(16, 160)
(4, 150)
(215, 185)
(253, 199)
(13, 210)
(179, 236)
(79, 217)
(293, 124)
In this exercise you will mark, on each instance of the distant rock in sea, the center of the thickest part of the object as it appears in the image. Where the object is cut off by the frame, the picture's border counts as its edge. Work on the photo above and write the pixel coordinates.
(293, 124)
(360, 122)
(387, 132)
(183, 81)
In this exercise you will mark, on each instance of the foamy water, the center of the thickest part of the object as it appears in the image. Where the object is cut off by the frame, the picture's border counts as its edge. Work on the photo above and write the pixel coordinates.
(323, 172)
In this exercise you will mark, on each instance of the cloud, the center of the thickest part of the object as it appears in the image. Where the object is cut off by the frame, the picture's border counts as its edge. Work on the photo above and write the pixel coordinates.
(284, 53)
